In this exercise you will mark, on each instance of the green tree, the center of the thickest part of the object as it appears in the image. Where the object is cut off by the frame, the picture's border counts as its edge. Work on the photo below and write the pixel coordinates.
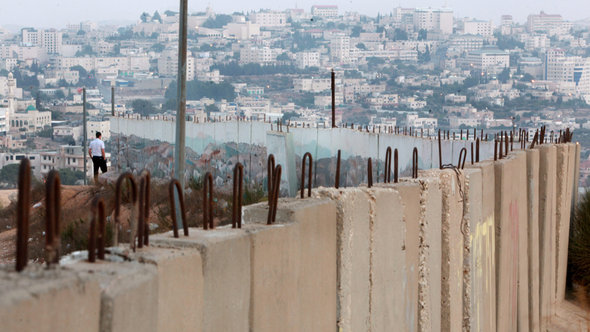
(211, 109)
(196, 90)
(86, 50)
(70, 177)
(157, 17)
(504, 76)
(143, 107)
(158, 47)
(422, 34)
(219, 21)
(9, 174)
(400, 34)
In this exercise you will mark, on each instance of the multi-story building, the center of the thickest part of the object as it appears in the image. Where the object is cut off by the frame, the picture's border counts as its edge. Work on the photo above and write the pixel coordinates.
(168, 65)
(324, 11)
(465, 43)
(15, 158)
(340, 48)
(488, 60)
(506, 25)
(102, 126)
(307, 59)
(67, 157)
(260, 55)
(477, 27)
(241, 30)
(31, 120)
(562, 68)
(436, 20)
(268, 18)
(543, 22)
(50, 40)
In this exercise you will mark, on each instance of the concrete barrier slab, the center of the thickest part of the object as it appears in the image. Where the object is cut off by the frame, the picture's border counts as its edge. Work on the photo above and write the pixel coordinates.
(353, 234)
(44, 300)
(293, 266)
(391, 275)
(180, 286)
(533, 160)
(225, 255)
(482, 251)
(562, 219)
(547, 224)
(453, 186)
(129, 294)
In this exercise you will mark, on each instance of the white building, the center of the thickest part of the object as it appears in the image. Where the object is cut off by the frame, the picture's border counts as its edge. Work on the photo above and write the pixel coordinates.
(260, 55)
(488, 60)
(241, 30)
(50, 40)
(307, 59)
(543, 22)
(506, 23)
(15, 158)
(477, 27)
(102, 126)
(67, 157)
(562, 68)
(324, 11)
(31, 120)
(436, 20)
(340, 48)
(269, 18)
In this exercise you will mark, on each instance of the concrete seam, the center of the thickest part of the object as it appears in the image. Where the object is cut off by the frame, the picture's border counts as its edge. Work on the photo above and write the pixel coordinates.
(424, 323)
(372, 208)
(466, 230)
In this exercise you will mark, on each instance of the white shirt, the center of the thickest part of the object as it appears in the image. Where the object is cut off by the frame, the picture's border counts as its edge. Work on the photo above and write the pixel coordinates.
(96, 147)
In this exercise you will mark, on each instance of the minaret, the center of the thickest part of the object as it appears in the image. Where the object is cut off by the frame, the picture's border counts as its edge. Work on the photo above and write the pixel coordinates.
(11, 99)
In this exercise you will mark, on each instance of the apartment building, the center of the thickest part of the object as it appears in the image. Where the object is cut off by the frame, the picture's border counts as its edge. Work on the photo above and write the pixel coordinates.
(269, 18)
(488, 60)
(50, 40)
(67, 156)
(436, 20)
(477, 27)
(543, 22)
(324, 11)
(307, 59)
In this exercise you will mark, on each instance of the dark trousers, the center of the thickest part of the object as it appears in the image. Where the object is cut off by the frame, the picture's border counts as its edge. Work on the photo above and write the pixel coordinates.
(99, 162)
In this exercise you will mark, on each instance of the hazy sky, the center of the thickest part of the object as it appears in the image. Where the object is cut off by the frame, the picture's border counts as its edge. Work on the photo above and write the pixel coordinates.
(58, 13)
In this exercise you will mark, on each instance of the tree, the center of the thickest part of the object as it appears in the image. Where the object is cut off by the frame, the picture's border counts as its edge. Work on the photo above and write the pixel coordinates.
(157, 17)
(144, 17)
(70, 177)
(196, 90)
(361, 46)
(400, 34)
(158, 47)
(283, 57)
(211, 108)
(219, 21)
(9, 174)
(504, 76)
(143, 107)
(422, 34)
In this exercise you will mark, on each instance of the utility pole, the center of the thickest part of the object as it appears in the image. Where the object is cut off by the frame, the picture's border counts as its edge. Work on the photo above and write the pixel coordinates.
(179, 158)
(333, 99)
(112, 100)
(85, 135)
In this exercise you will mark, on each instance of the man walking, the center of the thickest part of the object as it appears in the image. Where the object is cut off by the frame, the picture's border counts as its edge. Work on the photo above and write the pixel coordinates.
(96, 152)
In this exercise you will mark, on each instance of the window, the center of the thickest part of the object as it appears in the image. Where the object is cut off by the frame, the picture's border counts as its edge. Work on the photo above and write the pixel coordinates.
(32, 157)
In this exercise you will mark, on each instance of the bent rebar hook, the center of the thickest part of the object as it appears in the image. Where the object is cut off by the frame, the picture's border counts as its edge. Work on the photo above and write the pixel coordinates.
(174, 184)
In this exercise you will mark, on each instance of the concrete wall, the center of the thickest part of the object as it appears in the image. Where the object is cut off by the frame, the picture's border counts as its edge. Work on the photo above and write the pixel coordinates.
(478, 249)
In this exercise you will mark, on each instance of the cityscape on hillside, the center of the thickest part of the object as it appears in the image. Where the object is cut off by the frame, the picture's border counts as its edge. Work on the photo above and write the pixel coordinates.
(421, 68)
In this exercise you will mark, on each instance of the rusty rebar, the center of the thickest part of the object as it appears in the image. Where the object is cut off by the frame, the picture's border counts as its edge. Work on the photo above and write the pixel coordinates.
(306, 156)
(501, 146)
(118, 187)
(395, 166)
(439, 151)
(506, 144)
(511, 141)
(97, 231)
(174, 184)
(477, 150)
(462, 155)
(472, 156)
(495, 149)
(52, 217)
(270, 166)
(337, 181)
(143, 229)
(273, 196)
(370, 172)
(387, 174)
(22, 214)
(238, 192)
(415, 163)
(208, 201)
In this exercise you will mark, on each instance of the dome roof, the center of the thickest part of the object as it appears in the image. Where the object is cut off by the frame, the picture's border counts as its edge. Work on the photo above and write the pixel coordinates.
(31, 108)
